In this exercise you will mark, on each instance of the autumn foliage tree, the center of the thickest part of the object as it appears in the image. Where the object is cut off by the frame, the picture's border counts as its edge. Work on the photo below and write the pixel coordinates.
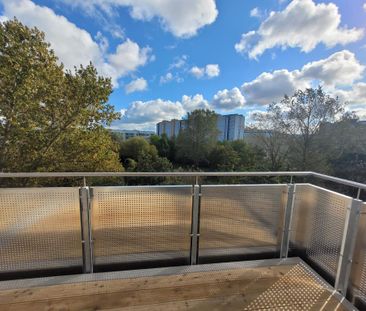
(51, 119)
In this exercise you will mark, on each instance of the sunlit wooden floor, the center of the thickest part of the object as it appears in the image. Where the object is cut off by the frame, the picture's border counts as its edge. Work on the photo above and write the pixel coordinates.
(260, 285)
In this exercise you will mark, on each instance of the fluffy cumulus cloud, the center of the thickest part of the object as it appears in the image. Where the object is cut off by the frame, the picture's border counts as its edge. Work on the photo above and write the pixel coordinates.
(311, 24)
(209, 71)
(337, 70)
(269, 87)
(355, 96)
(197, 101)
(228, 99)
(181, 18)
(75, 46)
(128, 57)
(364, 7)
(137, 85)
(146, 114)
(341, 68)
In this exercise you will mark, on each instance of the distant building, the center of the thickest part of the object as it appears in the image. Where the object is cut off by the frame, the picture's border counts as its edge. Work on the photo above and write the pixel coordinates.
(231, 127)
(126, 134)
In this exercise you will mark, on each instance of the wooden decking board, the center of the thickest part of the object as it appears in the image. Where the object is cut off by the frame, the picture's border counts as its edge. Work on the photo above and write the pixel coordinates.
(282, 287)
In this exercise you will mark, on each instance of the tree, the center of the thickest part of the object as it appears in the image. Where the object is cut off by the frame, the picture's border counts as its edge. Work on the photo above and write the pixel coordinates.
(300, 118)
(224, 158)
(344, 144)
(267, 132)
(139, 155)
(135, 147)
(250, 157)
(197, 140)
(162, 144)
(51, 119)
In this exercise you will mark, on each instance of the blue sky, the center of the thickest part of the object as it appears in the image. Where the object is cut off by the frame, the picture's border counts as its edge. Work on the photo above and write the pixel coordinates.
(168, 57)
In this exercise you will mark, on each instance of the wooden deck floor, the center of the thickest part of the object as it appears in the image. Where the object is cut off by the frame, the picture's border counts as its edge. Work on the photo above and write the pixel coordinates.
(265, 285)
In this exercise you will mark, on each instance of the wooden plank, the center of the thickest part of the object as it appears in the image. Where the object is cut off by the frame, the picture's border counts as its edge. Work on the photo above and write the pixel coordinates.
(245, 289)
(100, 287)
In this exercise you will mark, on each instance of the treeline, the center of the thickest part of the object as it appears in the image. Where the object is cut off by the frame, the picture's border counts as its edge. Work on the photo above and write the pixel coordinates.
(195, 149)
(308, 131)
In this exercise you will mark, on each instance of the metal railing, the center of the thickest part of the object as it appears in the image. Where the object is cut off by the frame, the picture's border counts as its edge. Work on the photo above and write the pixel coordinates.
(40, 227)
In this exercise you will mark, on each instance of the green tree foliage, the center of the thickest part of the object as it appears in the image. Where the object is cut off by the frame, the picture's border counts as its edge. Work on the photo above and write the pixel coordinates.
(165, 147)
(223, 158)
(139, 155)
(300, 117)
(51, 119)
(344, 145)
(197, 140)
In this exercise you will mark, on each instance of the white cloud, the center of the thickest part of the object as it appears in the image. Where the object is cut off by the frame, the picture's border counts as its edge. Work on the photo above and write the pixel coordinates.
(191, 103)
(228, 99)
(197, 72)
(179, 62)
(359, 111)
(167, 78)
(136, 85)
(364, 7)
(75, 46)
(256, 12)
(269, 87)
(181, 18)
(128, 57)
(209, 71)
(310, 24)
(337, 70)
(341, 68)
(3, 19)
(102, 42)
(212, 70)
(356, 96)
(145, 115)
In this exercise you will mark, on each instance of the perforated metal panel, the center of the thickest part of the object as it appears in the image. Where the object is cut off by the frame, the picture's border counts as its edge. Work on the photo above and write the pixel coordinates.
(298, 289)
(39, 229)
(141, 223)
(358, 274)
(318, 224)
(234, 217)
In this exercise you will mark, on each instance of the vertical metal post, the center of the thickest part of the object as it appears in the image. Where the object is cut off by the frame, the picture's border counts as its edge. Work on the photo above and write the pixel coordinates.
(287, 221)
(348, 246)
(195, 224)
(358, 193)
(86, 237)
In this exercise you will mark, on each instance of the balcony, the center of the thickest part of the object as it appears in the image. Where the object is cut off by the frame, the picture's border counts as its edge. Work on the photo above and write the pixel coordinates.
(289, 245)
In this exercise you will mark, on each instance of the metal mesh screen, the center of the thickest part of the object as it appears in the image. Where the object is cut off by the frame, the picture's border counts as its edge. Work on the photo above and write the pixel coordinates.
(141, 223)
(358, 274)
(234, 217)
(39, 229)
(318, 224)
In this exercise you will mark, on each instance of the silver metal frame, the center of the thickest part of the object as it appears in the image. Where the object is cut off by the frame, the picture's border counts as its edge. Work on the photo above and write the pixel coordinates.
(349, 233)
(291, 190)
(348, 246)
(84, 175)
(195, 230)
(86, 235)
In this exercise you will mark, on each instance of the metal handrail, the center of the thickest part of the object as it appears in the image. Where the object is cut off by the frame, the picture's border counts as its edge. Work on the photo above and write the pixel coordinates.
(185, 174)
